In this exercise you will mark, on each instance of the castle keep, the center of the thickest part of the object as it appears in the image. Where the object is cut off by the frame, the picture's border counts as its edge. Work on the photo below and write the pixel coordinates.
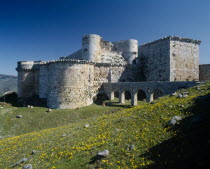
(102, 67)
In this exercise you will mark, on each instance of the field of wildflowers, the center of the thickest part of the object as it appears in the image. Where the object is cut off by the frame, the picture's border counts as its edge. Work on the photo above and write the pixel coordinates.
(144, 128)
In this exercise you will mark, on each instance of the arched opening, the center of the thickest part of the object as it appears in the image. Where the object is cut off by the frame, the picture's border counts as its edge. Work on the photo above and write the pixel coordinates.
(141, 96)
(116, 94)
(157, 93)
(127, 95)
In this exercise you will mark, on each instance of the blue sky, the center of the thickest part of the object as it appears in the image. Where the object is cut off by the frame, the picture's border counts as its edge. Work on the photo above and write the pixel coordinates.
(49, 29)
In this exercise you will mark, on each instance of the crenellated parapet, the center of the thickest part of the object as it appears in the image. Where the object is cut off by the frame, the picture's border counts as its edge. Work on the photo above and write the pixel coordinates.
(80, 62)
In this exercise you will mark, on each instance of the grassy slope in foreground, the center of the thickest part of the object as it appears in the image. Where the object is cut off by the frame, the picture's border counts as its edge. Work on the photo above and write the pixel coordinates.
(37, 118)
(184, 145)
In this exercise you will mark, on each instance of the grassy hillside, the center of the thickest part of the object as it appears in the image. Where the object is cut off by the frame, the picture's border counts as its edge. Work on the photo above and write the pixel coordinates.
(7, 83)
(136, 137)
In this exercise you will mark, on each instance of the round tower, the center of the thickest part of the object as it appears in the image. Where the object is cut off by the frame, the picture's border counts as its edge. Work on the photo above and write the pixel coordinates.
(131, 50)
(28, 78)
(91, 47)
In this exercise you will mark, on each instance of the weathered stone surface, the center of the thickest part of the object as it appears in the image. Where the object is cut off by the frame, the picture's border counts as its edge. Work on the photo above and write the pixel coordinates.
(86, 125)
(174, 94)
(19, 162)
(19, 116)
(185, 95)
(130, 147)
(28, 166)
(103, 153)
(49, 110)
(170, 59)
(180, 95)
(174, 120)
(177, 118)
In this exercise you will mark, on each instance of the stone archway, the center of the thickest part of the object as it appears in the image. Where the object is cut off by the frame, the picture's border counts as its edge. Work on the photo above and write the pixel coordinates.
(157, 93)
(127, 95)
(141, 95)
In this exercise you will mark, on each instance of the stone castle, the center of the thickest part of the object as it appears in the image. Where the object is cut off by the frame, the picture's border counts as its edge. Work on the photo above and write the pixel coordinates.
(101, 67)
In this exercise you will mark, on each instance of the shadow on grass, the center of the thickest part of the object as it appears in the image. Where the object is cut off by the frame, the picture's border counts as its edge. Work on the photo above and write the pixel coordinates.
(190, 148)
(117, 104)
(12, 99)
(95, 159)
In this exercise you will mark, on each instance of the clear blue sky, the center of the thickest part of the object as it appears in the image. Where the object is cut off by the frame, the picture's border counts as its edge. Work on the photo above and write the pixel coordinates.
(48, 29)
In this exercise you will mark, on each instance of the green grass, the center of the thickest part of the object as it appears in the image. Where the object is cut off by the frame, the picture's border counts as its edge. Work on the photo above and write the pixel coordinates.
(185, 145)
(37, 118)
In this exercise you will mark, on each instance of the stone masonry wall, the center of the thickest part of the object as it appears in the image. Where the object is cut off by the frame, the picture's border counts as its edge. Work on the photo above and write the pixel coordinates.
(204, 72)
(184, 61)
(70, 85)
(104, 73)
(28, 83)
(28, 78)
(43, 81)
(155, 61)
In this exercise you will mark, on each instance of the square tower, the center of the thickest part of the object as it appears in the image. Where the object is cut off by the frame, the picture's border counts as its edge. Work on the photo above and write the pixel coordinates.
(170, 59)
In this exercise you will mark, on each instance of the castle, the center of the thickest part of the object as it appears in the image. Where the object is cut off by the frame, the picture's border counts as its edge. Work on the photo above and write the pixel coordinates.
(101, 66)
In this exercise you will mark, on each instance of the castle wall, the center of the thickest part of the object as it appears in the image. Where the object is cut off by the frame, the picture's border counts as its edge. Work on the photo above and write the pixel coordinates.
(28, 78)
(43, 81)
(184, 61)
(204, 72)
(155, 61)
(70, 85)
(104, 73)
